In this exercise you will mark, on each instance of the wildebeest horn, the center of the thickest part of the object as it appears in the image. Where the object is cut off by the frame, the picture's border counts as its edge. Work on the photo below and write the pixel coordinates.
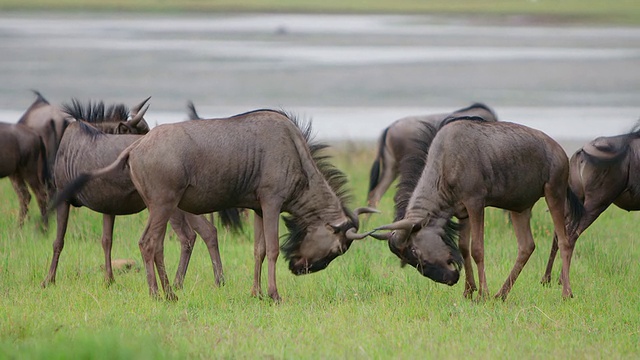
(136, 119)
(404, 224)
(357, 212)
(352, 235)
(137, 108)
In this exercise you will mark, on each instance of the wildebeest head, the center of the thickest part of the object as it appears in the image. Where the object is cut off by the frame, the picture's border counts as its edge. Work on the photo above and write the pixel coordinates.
(311, 248)
(429, 246)
(112, 120)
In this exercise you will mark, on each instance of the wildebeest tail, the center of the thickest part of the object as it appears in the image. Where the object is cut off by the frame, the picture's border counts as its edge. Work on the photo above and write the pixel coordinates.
(376, 167)
(575, 212)
(191, 111)
(231, 219)
(81, 180)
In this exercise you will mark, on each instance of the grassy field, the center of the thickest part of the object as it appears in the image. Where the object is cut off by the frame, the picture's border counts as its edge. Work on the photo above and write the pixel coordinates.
(599, 11)
(362, 306)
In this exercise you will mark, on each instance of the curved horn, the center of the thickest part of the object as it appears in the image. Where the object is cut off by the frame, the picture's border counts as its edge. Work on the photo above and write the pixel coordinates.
(136, 119)
(404, 224)
(357, 212)
(352, 235)
(366, 210)
(383, 236)
(137, 108)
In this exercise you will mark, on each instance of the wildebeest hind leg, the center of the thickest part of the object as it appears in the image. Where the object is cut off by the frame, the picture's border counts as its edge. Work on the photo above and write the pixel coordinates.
(464, 244)
(24, 197)
(259, 253)
(108, 221)
(546, 278)
(270, 214)
(40, 191)
(151, 247)
(187, 237)
(62, 218)
(556, 203)
(209, 235)
(526, 245)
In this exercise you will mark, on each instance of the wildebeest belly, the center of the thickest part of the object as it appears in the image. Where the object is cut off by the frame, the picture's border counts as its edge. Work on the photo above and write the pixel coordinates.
(110, 202)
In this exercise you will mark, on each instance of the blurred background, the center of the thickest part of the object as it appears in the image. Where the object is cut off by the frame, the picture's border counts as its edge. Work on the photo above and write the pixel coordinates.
(569, 68)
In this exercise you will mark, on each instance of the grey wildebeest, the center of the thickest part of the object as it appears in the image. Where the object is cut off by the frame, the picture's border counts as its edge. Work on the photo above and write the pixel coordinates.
(601, 173)
(501, 164)
(47, 120)
(23, 159)
(95, 140)
(396, 143)
(260, 160)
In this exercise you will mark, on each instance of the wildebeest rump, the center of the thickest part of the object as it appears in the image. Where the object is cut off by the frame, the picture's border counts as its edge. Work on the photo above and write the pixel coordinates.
(95, 141)
(259, 160)
(501, 164)
(396, 143)
(601, 173)
(23, 159)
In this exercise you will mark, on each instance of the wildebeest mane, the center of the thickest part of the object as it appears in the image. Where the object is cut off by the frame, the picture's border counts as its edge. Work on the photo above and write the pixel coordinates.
(95, 112)
(410, 168)
(336, 179)
(476, 105)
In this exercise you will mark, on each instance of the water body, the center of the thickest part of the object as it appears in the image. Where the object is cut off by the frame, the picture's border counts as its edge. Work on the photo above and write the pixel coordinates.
(352, 74)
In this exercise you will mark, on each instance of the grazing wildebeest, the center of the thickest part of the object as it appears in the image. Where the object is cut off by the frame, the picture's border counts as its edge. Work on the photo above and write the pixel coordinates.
(396, 143)
(47, 120)
(95, 140)
(260, 160)
(23, 159)
(503, 165)
(601, 173)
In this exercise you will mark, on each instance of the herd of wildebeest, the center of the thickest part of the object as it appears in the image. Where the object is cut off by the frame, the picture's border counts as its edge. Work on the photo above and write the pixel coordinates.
(449, 166)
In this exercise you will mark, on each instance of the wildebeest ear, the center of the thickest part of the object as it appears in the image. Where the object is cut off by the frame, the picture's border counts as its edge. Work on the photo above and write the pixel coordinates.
(123, 128)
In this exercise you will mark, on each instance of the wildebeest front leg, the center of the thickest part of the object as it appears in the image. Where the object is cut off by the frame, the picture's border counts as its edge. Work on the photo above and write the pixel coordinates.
(526, 245)
(62, 218)
(476, 220)
(259, 253)
(209, 235)
(108, 221)
(270, 228)
(24, 197)
(187, 237)
(464, 244)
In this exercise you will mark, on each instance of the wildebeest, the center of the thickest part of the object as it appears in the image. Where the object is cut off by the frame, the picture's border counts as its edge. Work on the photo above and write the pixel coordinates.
(601, 173)
(501, 164)
(23, 160)
(95, 140)
(260, 160)
(396, 143)
(47, 120)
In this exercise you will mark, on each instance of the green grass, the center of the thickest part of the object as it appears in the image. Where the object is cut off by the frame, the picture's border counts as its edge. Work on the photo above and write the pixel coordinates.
(362, 306)
(619, 11)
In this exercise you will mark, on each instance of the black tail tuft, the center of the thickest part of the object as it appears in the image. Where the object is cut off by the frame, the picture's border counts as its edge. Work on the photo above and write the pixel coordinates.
(231, 219)
(72, 188)
(575, 212)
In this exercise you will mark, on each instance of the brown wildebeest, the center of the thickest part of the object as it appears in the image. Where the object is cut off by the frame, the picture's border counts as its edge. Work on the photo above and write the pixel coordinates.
(601, 173)
(396, 143)
(260, 160)
(47, 120)
(84, 148)
(501, 164)
(23, 159)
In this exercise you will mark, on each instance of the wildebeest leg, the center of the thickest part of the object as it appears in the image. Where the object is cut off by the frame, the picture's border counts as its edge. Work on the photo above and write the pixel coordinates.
(476, 220)
(389, 173)
(62, 218)
(42, 197)
(151, 247)
(270, 220)
(591, 213)
(259, 253)
(553, 195)
(108, 221)
(24, 197)
(464, 244)
(209, 235)
(526, 246)
(187, 237)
